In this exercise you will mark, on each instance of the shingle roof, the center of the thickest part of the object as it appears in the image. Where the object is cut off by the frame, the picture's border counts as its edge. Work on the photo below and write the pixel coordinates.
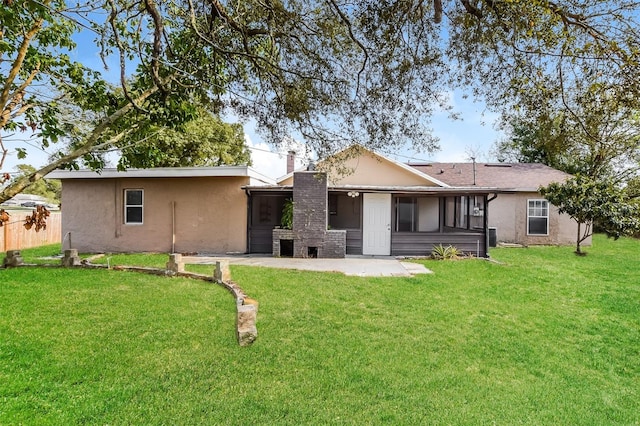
(515, 176)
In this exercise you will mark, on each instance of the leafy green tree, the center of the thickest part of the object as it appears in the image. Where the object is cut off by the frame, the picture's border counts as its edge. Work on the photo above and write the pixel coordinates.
(538, 139)
(598, 135)
(50, 189)
(333, 72)
(588, 201)
(204, 141)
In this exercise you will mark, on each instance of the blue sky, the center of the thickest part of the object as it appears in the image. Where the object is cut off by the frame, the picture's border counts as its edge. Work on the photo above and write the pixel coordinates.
(475, 131)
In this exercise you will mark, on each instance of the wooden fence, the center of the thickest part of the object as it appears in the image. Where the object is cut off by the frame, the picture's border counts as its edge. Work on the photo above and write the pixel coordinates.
(14, 236)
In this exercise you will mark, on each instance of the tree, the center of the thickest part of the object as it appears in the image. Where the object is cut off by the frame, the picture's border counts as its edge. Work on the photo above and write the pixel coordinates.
(598, 135)
(588, 201)
(333, 72)
(538, 139)
(205, 141)
(50, 189)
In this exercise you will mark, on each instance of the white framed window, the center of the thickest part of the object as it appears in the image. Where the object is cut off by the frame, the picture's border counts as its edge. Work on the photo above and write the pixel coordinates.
(538, 217)
(133, 206)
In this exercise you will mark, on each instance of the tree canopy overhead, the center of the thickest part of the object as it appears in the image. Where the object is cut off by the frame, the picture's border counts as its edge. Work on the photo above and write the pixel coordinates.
(332, 71)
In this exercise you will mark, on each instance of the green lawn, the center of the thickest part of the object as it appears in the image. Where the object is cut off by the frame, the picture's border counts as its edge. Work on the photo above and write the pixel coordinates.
(543, 337)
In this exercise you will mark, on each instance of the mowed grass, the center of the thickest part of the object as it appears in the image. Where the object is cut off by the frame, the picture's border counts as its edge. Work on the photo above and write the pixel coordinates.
(543, 337)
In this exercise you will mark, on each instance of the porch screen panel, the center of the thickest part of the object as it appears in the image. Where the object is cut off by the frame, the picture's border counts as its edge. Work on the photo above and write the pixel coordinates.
(344, 211)
(450, 212)
(406, 217)
(457, 212)
(462, 212)
(428, 214)
(477, 212)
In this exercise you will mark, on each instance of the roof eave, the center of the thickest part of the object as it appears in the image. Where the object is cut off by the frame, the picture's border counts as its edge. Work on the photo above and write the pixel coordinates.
(163, 172)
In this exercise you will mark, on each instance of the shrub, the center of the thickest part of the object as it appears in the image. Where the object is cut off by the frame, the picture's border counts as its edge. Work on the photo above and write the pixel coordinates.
(449, 252)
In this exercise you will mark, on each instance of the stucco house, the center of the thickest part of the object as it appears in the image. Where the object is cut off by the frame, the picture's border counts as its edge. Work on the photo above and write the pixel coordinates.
(519, 214)
(368, 205)
(156, 210)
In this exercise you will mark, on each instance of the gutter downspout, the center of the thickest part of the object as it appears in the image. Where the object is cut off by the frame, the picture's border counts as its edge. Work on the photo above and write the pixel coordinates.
(486, 222)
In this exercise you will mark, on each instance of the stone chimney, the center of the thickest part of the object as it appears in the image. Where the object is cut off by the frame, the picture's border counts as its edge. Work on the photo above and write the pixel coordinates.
(291, 161)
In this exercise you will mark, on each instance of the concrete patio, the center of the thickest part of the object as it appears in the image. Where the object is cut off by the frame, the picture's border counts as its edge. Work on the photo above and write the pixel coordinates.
(360, 266)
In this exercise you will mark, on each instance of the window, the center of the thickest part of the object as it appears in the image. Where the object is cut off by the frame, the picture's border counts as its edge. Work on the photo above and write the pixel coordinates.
(133, 199)
(406, 217)
(538, 217)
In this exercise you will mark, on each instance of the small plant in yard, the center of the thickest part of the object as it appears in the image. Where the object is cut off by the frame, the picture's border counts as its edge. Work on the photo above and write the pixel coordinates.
(449, 252)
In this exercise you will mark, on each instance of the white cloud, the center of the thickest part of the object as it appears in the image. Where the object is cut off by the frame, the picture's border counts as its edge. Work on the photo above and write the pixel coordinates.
(273, 163)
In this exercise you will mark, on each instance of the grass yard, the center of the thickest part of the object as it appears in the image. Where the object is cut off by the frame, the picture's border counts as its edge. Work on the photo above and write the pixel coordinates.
(543, 337)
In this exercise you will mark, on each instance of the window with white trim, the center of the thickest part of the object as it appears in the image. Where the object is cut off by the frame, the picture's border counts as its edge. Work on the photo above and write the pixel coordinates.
(133, 206)
(538, 217)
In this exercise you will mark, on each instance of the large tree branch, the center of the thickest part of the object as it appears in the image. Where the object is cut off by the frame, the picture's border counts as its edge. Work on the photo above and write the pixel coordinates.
(121, 53)
(472, 9)
(16, 67)
(437, 11)
(4, 152)
(152, 9)
(89, 146)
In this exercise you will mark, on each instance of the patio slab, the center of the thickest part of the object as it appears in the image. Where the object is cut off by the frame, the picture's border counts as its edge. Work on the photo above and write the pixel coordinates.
(361, 266)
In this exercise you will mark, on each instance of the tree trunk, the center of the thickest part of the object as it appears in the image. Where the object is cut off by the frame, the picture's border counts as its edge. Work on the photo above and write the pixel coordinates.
(578, 240)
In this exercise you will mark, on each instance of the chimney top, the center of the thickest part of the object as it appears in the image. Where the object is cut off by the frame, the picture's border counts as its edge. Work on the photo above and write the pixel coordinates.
(291, 161)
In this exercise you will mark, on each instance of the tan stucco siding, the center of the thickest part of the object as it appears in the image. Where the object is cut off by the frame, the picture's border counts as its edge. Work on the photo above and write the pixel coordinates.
(367, 169)
(502, 217)
(210, 215)
(508, 214)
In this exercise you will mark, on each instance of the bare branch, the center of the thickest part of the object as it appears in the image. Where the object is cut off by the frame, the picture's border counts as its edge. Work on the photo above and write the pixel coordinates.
(347, 23)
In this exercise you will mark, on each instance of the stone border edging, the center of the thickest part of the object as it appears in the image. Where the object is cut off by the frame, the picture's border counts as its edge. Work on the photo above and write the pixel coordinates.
(246, 308)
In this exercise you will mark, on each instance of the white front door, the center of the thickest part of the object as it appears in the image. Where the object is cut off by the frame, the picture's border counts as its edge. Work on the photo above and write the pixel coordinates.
(376, 224)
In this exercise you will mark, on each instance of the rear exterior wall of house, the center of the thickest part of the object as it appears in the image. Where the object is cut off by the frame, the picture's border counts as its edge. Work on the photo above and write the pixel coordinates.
(508, 213)
(206, 215)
